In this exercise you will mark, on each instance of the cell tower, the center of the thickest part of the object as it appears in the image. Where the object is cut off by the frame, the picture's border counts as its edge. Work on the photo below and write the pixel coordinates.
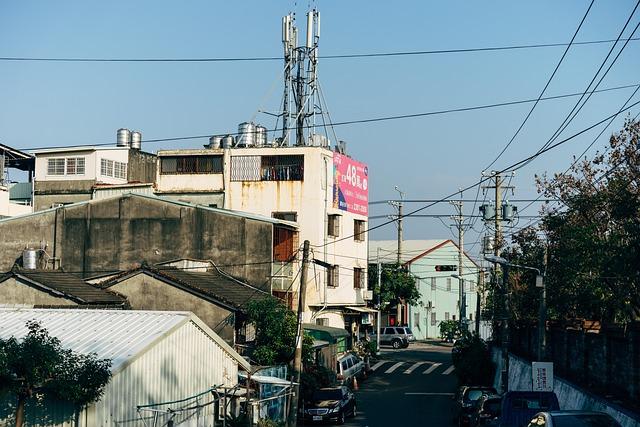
(300, 78)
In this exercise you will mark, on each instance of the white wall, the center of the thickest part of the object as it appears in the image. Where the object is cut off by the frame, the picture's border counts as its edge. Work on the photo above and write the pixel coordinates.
(92, 158)
(8, 208)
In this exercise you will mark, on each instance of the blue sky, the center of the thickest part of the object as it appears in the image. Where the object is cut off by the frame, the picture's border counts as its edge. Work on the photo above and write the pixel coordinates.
(47, 104)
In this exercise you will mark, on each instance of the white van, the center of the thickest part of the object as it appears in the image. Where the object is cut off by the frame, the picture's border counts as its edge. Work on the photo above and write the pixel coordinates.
(348, 366)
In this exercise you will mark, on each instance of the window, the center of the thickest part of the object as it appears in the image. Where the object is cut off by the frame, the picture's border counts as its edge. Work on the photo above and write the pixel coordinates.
(446, 315)
(322, 321)
(433, 319)
(282, 168)
(113, 168)
(285, 216)
(416, 319)
(75, 166)
(433, 283)
(333, 228)
(55, 167)
(120, 170)
(359, 230)
(448, 283)
(333, 276)
(106, 167)
(358, 278)
(284, 244)
(453, 317)
(471, 318)
(191, 165)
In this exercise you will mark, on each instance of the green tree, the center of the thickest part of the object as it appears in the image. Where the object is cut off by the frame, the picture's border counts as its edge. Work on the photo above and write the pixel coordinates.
(276, 329)
(397, 285)
(38, 366)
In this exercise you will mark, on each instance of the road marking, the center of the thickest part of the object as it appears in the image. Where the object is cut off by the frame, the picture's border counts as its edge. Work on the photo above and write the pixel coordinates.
(428, 394)
(432, 368)
(449, 370)
(414, 367)
(394, 367)
(377, 365)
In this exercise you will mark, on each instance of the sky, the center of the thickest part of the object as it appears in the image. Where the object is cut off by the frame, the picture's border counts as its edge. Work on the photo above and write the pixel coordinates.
(430, 157)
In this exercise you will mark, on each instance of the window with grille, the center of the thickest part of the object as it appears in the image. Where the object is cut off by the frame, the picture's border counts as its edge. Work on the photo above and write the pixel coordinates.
(106, 167)
(333, 225)
(359, 229)
(433, 319)
(282, 168)
(55, 166)
(333, 276)
(75, 166)
(190, 165)
(448, 283)
(358, 278)
(433, 283)
(120, 170)
(285, 216)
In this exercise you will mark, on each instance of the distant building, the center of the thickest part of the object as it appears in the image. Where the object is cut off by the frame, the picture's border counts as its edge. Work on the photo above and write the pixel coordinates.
(434, 264)
(16, 196)
(324, 192)
(161, 361)
(70, 174)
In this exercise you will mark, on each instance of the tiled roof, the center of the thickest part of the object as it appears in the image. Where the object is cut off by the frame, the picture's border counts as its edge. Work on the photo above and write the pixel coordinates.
(216, 284)
(68, 285)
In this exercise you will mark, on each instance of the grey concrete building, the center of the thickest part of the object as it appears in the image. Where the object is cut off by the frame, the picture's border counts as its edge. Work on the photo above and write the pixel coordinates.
(118, 234)
(217, 298)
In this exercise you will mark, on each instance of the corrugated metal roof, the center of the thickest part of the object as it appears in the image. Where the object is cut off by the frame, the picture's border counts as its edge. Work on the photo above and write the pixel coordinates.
(111, 334)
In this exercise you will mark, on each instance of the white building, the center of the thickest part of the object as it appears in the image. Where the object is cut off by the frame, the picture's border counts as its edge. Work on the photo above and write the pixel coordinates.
(434, 264)
(323, 191)
(156, 357)
(15, 196)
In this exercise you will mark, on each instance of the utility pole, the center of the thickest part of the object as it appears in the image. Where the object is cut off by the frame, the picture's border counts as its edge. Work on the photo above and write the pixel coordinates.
(297, 361)
(379, 304)
(459, 222)
(505, 329)
(542, 312)
(479, 289)
(399, 205)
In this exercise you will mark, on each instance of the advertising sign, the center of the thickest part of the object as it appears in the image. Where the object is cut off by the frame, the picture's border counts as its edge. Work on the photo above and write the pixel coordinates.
(350, 185)
(542, 376)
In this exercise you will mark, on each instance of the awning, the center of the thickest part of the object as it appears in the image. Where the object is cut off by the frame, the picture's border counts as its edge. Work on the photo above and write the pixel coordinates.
(317, 344)
(325, 333)
(362, 309)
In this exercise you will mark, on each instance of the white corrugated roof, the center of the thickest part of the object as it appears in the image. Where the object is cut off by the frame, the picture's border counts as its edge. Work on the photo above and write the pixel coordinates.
(410, 249)
(111, 334)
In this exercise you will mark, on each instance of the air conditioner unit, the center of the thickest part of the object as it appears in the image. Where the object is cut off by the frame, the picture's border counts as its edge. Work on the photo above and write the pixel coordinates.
(56, 205)
(367, 295)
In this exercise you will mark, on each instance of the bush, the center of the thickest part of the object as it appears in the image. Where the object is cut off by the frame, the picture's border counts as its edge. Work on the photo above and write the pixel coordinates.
(472, 360)
(450, 330)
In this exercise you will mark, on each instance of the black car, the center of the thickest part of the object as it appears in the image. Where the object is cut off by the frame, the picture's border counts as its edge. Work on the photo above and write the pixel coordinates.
(466, 400)
(487, 413)
(330, 404)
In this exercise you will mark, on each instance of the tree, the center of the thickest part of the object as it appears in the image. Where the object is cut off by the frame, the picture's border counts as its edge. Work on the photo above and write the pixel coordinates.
(397, 285)
(276, 329)
(593, 241)
(38, 366)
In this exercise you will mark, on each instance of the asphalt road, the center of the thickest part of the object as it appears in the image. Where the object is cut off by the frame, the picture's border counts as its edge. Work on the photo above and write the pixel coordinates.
(409, 387)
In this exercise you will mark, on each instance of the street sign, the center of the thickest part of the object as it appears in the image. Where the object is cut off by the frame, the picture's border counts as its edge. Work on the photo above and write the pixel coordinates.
(542, 376)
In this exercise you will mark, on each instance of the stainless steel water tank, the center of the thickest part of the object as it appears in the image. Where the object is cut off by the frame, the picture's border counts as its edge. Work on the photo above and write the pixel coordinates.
(246, 134)
(123, 137)
(215, 142)
(261, 136)
(30, 259)
(228, 141)
(136, 140)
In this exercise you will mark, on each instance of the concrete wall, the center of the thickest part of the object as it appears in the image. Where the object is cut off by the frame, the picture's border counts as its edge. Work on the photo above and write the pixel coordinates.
(48, 193)
(141, 167)
(13, 291)
(569, 395)
(120, 233)
(148, 293)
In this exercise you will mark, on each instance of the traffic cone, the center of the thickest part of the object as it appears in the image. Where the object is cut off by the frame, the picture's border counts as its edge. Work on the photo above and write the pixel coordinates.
(355, 383)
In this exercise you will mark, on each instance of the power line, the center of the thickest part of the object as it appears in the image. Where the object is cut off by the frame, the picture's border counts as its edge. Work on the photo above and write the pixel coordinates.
(371, 120)
(325, 57)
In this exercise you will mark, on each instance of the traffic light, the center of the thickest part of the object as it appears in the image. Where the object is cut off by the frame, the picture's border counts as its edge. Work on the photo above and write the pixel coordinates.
(446, 267)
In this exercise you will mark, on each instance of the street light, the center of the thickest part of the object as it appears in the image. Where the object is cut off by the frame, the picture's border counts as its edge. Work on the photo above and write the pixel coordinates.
(541, 311)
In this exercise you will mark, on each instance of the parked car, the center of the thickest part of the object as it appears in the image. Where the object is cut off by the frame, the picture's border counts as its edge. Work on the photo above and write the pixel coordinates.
(406, 331)
(519, 407)
(395, 336)
(487, 413)
(573, 419)
(465, 402)
(349, 366)
(331, 404)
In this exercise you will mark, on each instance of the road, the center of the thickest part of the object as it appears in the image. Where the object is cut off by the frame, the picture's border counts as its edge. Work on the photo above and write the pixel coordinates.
(409, 387)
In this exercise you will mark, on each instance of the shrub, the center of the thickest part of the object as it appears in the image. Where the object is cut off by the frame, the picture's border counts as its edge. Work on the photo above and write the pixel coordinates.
(472, 360)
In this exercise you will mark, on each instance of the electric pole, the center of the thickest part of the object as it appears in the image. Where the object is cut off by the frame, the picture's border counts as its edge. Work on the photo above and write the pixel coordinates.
(379, 319)
(459, 222)
(399, 205)
(297, 361)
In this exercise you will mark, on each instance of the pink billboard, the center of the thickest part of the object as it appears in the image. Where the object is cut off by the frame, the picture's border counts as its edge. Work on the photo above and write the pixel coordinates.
(350, 185)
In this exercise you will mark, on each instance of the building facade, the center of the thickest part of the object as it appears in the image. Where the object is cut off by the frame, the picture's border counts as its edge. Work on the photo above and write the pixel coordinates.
(434, 264)
(323, 191)
(15, 189)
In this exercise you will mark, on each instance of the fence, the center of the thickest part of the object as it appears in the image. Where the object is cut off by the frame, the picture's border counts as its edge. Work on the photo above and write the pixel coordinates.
(601, 358)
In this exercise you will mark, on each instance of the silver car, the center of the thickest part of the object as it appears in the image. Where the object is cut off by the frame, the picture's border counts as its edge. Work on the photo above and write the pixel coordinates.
(396, 336)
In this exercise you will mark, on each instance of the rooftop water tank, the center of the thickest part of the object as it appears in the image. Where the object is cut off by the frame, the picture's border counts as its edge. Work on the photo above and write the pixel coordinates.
(228, 141)
(123, 137)
(246, 134)
(30, 259)
(261, 136)
(215, 142)
(136, 140)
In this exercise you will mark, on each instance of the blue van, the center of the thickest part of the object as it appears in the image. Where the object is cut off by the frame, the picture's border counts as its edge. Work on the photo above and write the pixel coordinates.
(518, 407)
